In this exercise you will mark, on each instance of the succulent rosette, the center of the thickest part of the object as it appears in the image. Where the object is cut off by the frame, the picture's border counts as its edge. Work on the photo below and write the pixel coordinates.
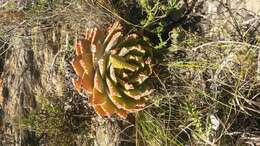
(113, 70)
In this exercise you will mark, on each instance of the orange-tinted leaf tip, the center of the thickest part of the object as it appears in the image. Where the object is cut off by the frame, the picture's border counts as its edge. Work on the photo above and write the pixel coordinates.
(100, 111)
(87, 83)
(98, 98)
(121, 113)
(76, 66)
(77, 84)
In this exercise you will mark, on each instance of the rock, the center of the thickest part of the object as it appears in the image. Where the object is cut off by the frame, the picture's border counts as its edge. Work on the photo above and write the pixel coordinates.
(26, 74)
(234, 19)
(250, 5)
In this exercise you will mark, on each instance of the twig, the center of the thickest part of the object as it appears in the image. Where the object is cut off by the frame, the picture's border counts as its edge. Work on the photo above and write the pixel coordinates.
(236, 25)
(225, 42)
(258, 66)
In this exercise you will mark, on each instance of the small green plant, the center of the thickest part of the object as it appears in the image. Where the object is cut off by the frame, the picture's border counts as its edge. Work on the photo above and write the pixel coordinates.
(156, 10)
(46, 118)
(151, 131)
(156, 13)
(51, 122)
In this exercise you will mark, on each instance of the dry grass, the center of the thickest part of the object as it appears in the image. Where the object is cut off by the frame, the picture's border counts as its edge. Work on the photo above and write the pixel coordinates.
(207, 85)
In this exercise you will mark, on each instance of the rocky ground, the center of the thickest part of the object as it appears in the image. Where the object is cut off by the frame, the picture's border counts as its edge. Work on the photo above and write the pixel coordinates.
(35, 54)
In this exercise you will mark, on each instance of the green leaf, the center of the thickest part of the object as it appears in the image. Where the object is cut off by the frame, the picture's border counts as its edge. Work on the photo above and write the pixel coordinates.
(122, 101)
(139, 92)
(120, 63)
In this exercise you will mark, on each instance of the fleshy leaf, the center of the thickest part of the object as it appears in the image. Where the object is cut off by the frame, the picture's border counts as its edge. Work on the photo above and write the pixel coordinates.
(128, 104)
(78, 49)
(87, 83)
(113, 91)
(99, 110)
(98, 98)
(112, 74)
(122, 101)
(138, 93)
(121, 113)
(120, 63)
(114, 29)
(86, 64)
(77, 66)
(99, 82)
(84, 47)
(77, 84)
(102, 64)
(109, 108)
(139, 79)
(114, 40)
(98, 36)
(126, 85)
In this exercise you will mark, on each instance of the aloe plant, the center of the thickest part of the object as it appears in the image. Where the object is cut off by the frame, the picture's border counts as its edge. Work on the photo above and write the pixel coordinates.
(113, 70)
